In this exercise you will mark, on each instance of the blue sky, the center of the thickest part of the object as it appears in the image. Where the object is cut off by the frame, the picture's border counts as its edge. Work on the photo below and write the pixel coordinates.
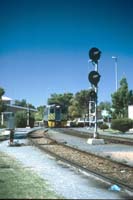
(44, 46)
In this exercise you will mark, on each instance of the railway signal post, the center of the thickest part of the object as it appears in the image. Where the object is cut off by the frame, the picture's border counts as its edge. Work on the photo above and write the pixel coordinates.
(94, 78)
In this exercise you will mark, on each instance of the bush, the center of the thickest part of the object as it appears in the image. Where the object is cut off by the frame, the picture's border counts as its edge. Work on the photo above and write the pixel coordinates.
(2, 126)
(99, 124)
(73, 124)
(80, 124)
(122, 125)
(21, 119)
(104, 126)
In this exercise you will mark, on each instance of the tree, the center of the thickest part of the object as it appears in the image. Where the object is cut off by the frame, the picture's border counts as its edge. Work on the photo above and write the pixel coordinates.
(62, 99)
(105, 106)
(130, 97)
(79, 104)
(21, 119)
(83, 98)
(120, 100)
(73, 109)
(40, 113)
(2, 92)
(74, 105)
(23, 103)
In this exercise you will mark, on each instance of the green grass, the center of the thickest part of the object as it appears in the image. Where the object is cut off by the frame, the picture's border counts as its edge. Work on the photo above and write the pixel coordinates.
(109, 130)
(17, 182)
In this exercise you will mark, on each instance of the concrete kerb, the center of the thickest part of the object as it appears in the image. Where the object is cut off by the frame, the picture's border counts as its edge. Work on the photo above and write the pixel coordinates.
(33, 130)
(94, 141)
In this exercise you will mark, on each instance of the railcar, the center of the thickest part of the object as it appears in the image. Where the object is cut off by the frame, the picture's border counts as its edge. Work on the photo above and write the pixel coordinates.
(54, 116)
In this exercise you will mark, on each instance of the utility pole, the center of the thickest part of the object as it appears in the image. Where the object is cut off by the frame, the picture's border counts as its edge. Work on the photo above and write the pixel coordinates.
(116, 72)
(28, 116)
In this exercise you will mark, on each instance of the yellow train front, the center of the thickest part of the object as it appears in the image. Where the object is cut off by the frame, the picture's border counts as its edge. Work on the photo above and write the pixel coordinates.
(54, 116)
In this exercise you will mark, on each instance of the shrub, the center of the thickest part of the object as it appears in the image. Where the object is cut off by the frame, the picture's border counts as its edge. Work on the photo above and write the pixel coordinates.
(99, 124)
(21, 119)
(80, 124)
(122, 125)
(2, 126)
(104, 126)
(73, 124)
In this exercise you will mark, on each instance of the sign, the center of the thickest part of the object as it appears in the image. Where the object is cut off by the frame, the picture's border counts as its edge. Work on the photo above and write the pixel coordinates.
(11, 122)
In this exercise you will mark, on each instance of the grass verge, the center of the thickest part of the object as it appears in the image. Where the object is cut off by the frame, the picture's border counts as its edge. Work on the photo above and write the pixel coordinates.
(17, 182)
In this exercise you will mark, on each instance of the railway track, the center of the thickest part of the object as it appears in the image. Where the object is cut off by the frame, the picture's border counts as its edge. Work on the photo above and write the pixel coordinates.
(107, 138)
(113, 172)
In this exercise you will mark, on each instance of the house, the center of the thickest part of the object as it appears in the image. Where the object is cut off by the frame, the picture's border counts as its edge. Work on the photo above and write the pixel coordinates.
(12, 108)
(6, 100)
(130, 111)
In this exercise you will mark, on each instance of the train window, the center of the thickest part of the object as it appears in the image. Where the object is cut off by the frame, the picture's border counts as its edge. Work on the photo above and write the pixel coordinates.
(51, 110)
(57, 110)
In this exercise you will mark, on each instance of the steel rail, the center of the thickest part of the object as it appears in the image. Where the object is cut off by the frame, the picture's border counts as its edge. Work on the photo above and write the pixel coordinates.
(89, 171)
(108, 138)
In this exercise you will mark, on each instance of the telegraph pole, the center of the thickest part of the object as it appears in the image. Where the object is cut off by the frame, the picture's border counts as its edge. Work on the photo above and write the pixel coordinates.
(28, 116)
(116, 73)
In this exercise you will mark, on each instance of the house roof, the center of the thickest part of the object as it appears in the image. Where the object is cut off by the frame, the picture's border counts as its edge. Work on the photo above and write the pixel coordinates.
(4, 98)
(20, 107)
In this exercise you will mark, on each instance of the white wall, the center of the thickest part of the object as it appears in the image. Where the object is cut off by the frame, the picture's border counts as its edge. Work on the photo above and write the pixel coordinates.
(130, 112)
